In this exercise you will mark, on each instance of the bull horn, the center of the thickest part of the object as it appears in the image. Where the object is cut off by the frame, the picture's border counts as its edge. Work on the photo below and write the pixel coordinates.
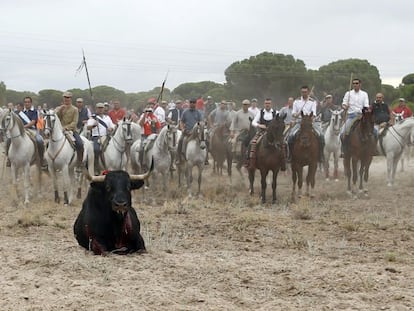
(88, 176)
(143, 176)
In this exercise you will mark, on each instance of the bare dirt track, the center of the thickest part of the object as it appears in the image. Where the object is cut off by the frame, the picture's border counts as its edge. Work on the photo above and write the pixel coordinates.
(224, 251)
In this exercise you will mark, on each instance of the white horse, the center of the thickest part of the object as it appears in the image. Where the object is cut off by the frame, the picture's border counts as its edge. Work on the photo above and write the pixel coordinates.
(116, 154)
(405, 158)
(61, 156)
(160, 151)
(392, 144)
(195, 155)
(333, 143)
(22, 152)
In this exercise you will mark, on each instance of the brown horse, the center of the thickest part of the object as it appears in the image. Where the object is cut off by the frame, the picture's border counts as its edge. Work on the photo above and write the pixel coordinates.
(359, 147)
(305, 152)
(269, 156)
(220, 149)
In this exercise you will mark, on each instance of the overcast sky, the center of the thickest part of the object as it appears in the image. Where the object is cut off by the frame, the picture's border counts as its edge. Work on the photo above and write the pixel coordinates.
(131, 45)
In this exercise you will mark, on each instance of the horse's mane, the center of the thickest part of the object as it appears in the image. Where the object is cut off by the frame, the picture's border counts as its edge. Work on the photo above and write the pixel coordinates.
(193, 133)
(19, 123)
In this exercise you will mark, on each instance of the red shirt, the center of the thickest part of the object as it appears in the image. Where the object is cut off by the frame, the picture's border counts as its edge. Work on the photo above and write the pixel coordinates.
(149, 120)
(117, 115)
(407, 111)
(200, 104)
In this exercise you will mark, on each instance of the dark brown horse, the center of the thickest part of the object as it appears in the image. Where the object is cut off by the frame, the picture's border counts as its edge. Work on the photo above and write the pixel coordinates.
(359, 147)
(305, 152)
(269, 156)
(220, 149)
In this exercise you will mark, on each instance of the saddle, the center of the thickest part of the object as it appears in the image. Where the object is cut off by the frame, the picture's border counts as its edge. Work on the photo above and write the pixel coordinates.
(70, 138)
(354, 123)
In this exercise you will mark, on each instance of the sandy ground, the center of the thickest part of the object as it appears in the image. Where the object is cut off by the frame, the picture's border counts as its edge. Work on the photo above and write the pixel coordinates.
(224, 251)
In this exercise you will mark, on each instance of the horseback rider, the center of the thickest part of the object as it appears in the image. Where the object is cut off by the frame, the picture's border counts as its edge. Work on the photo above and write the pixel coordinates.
(353, 103)
(151, 125)
(286, 112)
(240, 125)
(326, 111)
(189, 118)
(100, 126)
(306, 105)
(29, 116)
(260, 121)
(382, 114)
(84, 115)
(69, 116)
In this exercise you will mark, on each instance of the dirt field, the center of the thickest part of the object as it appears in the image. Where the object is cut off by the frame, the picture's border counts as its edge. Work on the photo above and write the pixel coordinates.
(224, 251)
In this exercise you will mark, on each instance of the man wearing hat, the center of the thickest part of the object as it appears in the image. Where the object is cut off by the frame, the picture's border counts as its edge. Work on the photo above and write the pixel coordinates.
(240, 126)
(326, 114)
(174, 114)
(69, 116)
(402, 108)
(100, 126)
(253, 108)
(209, 106)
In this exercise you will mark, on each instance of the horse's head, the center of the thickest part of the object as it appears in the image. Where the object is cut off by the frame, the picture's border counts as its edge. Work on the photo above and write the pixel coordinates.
(398, 117)
(336, 121)
(10, 120)
(367, 123)
(50, 120)
(274, 131)
(199, 134)
(126, 130)
(306, 129)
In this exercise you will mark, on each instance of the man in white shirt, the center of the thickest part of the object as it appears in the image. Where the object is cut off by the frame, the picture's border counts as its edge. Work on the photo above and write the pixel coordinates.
(260, 121)
(353, 103)
(306, 105)
(159, 112)
(100, 126)
(240, 125)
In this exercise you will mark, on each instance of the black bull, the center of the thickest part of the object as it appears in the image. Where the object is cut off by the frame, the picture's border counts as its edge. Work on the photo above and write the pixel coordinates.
(107, 222)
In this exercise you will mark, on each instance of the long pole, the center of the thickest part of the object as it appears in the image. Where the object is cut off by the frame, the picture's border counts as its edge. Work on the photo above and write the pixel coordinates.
(87, 74)
(162, 87)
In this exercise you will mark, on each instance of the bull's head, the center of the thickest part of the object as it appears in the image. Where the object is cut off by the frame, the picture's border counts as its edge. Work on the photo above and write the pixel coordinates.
(117, 186)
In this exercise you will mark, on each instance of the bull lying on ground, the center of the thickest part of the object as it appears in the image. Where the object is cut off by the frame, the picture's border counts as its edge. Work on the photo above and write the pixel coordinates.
(107, 222)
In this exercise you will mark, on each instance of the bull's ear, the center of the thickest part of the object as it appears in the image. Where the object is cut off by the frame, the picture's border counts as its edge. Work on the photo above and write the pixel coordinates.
(136, 184)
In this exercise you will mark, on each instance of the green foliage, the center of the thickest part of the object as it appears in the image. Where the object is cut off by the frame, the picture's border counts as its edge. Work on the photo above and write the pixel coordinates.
(407, 91)
(408, 79)
(17, 96)
(105, 93)
(390, 93)
(2, 94)
(266, 75)
(335, 77)
(196, 89)
(53, 98)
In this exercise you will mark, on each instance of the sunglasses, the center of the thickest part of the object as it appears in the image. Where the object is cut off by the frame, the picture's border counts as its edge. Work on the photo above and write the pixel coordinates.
(355, 82)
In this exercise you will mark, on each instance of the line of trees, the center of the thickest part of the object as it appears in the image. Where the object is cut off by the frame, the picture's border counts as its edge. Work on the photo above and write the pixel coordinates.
(267, 74)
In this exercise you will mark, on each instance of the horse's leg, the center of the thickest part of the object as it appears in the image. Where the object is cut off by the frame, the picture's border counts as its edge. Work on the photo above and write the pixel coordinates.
(263, 174)
(336, 160)
(71, 183)
(251, 180)
(394, 168)
(354, 172)
(294, 178)
(310, 180)
(274, 185)
(13, 171)
(200, 172)
(300, 180)
(52, 173)
(26, 183)
(347, 171)
(390, 168)
(66, 184)
(188, 175)
(327, 155)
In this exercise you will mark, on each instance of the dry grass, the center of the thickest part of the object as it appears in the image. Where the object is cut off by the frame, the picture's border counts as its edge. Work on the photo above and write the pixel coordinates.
(222, 251)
